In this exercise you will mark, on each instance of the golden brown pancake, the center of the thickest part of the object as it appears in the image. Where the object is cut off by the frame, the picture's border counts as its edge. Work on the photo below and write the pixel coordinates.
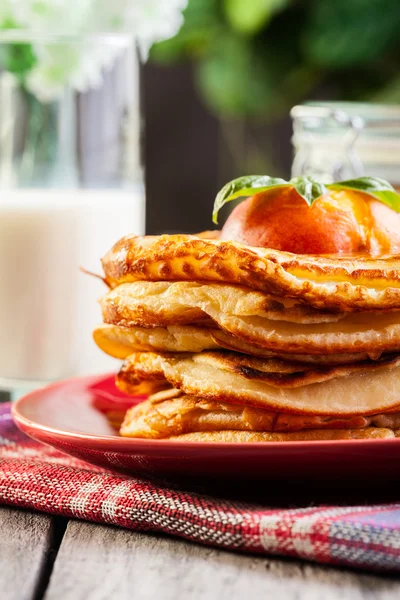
(230, 342)
(158, 303)
(120, 342)
(161, 417)
(274, 371)
(357, 389)
(298, 436)
(338, 284)
(149, 387)
(253, 318)
(390, 420)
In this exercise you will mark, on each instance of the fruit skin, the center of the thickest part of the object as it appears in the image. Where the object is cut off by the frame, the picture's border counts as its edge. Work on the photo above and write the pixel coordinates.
(342, 221)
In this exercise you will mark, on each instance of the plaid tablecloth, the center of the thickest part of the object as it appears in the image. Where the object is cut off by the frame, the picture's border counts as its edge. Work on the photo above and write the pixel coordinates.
(37, 477)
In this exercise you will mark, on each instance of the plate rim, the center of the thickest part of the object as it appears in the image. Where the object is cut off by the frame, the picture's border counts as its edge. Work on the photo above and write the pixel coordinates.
(127, 444)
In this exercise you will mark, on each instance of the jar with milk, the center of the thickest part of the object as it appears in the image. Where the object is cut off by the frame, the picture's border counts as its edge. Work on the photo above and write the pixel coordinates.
(71, 183)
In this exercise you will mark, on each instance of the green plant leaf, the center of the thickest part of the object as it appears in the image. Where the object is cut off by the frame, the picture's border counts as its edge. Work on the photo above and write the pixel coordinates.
(348, 33)
(232, 59)
(17, 58)
(308, 188)
(374, 186)
(251, 16)
(244, 186)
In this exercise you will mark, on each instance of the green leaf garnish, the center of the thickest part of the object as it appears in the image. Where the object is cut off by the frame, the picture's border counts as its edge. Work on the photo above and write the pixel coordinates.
(307, 187)
(374, 186)
(244, 186)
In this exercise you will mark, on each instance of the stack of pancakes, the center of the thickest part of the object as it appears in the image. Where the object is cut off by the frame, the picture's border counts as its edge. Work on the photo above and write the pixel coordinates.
(251, 344)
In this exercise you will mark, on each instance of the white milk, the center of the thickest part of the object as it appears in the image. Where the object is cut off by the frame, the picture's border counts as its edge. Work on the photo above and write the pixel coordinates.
(48, 307)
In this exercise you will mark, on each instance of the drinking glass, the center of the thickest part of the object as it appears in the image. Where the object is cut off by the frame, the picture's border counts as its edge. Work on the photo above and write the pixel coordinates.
(71, 184)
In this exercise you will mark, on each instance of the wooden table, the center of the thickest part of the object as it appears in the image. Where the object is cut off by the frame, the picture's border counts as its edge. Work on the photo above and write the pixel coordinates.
(57, 559)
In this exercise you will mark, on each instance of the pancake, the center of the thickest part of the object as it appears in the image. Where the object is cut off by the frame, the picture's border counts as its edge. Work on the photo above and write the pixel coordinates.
(120, 342)
(298, 436)
(230, 342)
(357, 389)
(254, 318)
(390, 420)
(161, 302)
(339, 284)
(149, 387)
(161, 417)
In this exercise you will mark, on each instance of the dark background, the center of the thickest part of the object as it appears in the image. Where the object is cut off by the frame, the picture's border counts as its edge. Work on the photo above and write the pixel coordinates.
(180, 153)
(188, 154)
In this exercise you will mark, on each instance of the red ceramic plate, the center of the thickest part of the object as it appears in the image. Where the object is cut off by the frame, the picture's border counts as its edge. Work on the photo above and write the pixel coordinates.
(71, 416)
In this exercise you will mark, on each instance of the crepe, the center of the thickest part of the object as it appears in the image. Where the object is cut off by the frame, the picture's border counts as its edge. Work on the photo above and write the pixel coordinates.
(119, 342)
(356, 389)
(254, 318)
(298, 436)
(152, 303)
(161, 417)
(339, 284)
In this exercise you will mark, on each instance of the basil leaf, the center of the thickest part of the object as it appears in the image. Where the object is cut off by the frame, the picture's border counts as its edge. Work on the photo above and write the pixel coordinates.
(374, 186)
(365, 184)
(244, 186)
(308, 188)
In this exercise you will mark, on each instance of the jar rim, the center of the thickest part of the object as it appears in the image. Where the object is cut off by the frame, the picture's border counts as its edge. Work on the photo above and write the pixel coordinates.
(355, 115)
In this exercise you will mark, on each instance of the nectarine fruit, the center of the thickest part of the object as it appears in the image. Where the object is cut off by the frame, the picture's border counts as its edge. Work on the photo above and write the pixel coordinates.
(342, 221)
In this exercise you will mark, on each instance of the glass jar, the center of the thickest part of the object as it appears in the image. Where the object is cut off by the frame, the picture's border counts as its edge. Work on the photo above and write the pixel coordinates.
(342, 140)
(71, 184)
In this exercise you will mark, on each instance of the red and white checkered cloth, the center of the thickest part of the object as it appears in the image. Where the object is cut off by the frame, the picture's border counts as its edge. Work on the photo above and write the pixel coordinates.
(37, 477)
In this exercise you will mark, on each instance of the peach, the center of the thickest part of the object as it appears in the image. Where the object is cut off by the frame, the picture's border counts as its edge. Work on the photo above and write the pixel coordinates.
(342, 221)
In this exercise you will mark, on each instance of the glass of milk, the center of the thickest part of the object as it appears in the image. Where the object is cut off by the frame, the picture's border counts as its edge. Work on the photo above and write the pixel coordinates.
(71, 184)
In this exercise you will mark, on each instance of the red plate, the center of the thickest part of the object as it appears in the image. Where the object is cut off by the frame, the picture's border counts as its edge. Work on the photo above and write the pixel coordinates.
(70, 416)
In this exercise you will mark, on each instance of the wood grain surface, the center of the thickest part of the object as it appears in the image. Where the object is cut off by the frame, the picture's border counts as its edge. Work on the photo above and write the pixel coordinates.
(26, 542)
(99, 562)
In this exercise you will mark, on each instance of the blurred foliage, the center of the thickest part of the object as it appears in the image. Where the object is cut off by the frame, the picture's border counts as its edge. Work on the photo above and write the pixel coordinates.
(256, 58)
(18, 59)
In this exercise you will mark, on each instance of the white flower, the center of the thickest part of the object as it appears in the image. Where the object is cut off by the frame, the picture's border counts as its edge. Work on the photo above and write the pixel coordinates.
(153, 20)
(54, 17)
(80, 61)
(79, 65)
(51, 17)
(147, 20)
